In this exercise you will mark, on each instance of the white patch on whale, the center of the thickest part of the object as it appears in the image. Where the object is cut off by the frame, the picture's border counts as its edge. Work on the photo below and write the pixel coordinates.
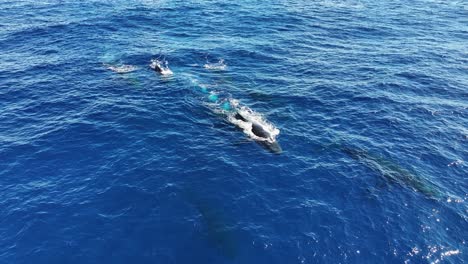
(252, 119)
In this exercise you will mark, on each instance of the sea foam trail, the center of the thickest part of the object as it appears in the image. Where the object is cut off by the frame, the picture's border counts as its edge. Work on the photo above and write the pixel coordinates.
(124, 68)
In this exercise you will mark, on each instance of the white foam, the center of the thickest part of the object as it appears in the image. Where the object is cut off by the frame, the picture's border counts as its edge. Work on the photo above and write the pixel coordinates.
(121, 69)
(219, 66)
(450, 253)
(455, 163)
(166, 72)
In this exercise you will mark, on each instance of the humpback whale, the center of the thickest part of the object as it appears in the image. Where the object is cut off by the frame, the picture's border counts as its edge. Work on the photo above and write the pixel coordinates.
(160, 66)
(393, 172)
(254, 126)
(215, 226)
(217, 230)
(250, 122)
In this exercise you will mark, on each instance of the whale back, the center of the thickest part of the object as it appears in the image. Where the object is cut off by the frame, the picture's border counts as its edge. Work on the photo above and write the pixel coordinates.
(259, 131)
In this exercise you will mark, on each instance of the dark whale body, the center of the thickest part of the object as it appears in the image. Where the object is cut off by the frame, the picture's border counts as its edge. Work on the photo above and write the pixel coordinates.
(256, 128)
(157, 68)
(258, 131)
(240, 117)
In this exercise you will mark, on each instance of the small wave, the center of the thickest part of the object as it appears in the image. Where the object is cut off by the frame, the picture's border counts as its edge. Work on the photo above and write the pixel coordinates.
(218, 66)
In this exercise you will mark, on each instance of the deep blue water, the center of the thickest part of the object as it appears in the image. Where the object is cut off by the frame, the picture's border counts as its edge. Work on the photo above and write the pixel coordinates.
(371, 98)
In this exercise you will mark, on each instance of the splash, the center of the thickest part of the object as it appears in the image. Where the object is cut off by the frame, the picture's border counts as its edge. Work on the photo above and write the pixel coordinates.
(455, 163)
(161, 66)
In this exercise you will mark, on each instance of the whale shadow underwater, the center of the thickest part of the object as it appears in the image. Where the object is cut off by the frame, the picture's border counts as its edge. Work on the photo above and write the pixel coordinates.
(214, 229)
(393, 173)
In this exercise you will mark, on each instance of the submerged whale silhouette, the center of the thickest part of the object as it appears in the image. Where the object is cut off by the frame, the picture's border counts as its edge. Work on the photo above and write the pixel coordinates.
(393, 172)
(217, 230)
(216, 226)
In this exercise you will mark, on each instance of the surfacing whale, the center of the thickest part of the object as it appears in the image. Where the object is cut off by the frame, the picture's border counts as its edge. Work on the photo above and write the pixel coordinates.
(160, 66)
(253, 125)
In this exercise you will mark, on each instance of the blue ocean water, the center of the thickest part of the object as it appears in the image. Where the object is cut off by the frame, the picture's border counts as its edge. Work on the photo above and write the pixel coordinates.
(370, 97)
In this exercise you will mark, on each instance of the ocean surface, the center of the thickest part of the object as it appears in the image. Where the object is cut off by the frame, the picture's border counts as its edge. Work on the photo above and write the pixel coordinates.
(370, 98)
